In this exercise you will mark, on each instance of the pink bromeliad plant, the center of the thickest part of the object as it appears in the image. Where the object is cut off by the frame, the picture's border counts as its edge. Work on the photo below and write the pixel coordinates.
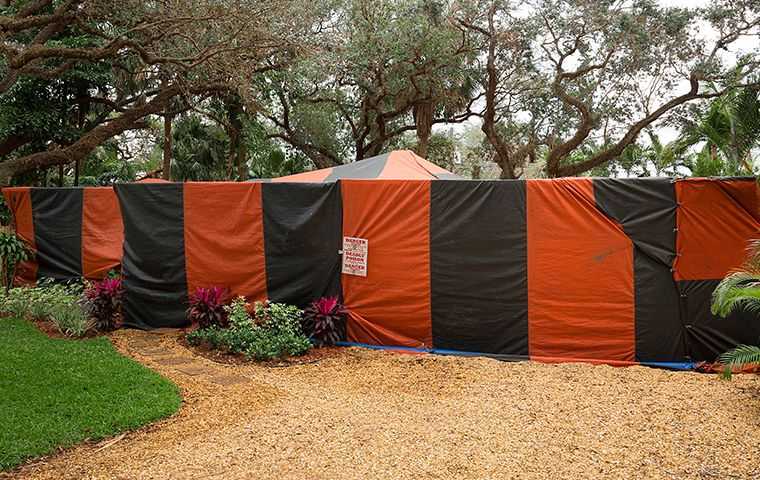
(207, 307)
(102, 302)
(324, 321)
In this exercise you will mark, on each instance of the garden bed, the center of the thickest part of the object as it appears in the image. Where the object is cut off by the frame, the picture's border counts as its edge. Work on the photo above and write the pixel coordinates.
(218, 356)
(51, 330)
(374, 414)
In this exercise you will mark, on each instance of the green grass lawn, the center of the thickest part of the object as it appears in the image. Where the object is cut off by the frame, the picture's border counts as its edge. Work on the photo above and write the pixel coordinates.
(56, 392)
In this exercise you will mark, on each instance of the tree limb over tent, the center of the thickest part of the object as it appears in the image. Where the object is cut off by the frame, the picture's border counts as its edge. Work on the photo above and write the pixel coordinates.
(196, 46)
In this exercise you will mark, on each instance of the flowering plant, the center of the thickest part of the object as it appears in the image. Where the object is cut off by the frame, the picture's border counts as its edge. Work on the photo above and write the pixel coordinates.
(102, 302)
(207, 307)
(325, 321)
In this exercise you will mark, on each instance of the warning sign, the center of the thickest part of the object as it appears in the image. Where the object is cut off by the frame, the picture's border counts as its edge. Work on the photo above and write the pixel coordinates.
(355, 256)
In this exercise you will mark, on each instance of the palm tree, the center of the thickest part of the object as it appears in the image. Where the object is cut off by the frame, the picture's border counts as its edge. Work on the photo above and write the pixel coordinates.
(728, 131)
(740, 290)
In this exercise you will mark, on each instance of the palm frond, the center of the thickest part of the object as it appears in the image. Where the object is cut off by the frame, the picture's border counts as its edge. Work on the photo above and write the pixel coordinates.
(740, 357)
(752, 263)
(736, 297)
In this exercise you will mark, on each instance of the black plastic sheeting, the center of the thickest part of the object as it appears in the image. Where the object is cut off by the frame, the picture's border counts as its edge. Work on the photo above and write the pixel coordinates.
(646, 210)
(479, 266)
(708, 336)
(155, 282)
(57, 216)
(302, 238)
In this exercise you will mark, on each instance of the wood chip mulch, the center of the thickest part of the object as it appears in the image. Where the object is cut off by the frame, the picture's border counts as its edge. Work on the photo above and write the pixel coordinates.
(362, 414)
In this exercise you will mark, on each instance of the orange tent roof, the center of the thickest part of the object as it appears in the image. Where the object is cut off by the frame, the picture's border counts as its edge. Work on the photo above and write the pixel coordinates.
(396, 165)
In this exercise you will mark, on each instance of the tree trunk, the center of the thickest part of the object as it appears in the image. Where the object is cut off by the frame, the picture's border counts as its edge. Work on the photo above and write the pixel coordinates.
(502, 155)
(242, 159)
(232, 154)
(423, 121)
(60, 175)
(76, 172)
(166, 172)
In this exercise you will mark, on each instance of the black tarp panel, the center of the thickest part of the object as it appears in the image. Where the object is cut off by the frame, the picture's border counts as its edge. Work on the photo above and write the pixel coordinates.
(478, 266)
(708, 336)
(155, 283)
(646, 209)
(57, 214)
(302, 237)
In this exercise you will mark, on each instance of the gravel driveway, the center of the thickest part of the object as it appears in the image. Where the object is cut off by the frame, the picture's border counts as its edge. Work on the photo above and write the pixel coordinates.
(364, 414)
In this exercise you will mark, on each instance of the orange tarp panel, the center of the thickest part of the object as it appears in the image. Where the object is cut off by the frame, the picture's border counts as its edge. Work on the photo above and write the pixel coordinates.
(391, 305)
(102, 232)
(580, 276)
(404, 164)
(315, 176)
(715, 220)
(224, 238)
(19, 201)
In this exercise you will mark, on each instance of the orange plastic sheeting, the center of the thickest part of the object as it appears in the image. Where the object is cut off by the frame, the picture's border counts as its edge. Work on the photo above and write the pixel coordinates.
(224, 238)
(391, 305)
(404, 164)
(580, 276)
(19, 201)
(315, 176)
(716, 220)
(102, 232)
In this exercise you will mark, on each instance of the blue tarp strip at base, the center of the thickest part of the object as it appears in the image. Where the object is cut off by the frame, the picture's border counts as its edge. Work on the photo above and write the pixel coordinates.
(666, 365)
(671, 365)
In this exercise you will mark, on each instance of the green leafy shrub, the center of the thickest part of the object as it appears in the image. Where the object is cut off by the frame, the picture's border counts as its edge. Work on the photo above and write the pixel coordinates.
(69, 318)
(58, 303)
(14, 302)
(272, 331)
(5, 213)
(47, 297)
(12, 252)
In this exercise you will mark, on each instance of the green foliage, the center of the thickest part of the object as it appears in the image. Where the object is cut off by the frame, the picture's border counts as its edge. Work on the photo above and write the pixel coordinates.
(57, 303)
(728, 129)
(199, 150)
(740, 290)
(5, 213)
(61, 392)
(273, 331)
(12, 252)
(266, 158)
(741, 357)
(69, 318)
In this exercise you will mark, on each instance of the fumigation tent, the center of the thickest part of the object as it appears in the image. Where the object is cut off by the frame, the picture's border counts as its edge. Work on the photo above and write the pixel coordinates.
(74, 232)
(619, 271)
(396, 165)
(78, 232)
